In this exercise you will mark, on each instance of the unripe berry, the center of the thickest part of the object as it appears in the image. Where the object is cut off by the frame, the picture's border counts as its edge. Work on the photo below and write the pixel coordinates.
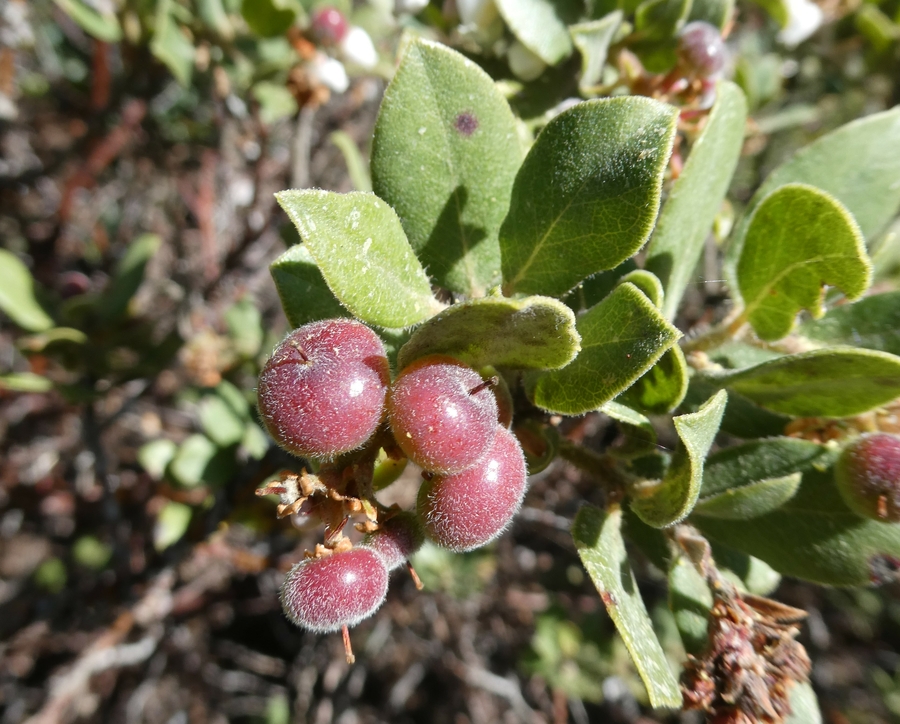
(398, 538)
(868, 476)
(326, 594)
(322, 391)
(469, 509)
(442, 414)
(329, 26)
(701, 48)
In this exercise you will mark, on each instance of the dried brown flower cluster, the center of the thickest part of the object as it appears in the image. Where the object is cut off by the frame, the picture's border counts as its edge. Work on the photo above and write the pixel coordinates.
(751, 661)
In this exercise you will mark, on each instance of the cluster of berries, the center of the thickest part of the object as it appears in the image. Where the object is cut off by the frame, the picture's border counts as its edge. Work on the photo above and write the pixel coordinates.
(326, 392)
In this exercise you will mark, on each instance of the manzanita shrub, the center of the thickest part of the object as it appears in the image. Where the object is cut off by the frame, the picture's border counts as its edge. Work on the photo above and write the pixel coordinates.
(488, 268)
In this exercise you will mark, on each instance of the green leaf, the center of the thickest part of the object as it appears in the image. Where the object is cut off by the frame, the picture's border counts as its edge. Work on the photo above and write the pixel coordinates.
(528, 333)
(657, 20)
(743, 418)
(171, 524)
(220, 422)
(275, 102)
(199, 461)
(255, 441)
(268, 18)
(696, 196)
(245, 327)
(750, 501)
(777, 9)
(799, 239)
(872, 323)
(690, 601)
(25, 382)
(305, 297)
(832, 382)
(359, 246)
(586, 197)
(621, 338)
(598, 538)
(541, 25)
(155, 456)
(804, 705)
(215, 17)
(666, 502)
(648, 283)
(814, 536)
(663, 387)
(447, 168)
(99, 23)
(128, 276)
(714, 12)
(640, 437)
(170, 46)
(91, 552)
(357, 168)
(858, 164)
(17, 297)
(592, 40)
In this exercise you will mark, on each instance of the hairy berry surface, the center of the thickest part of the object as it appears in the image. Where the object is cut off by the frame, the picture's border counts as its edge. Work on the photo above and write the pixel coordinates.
(398, 538)
(322, 392)
(466, 510)
(329, 25)
(442, 414)
(868, 476)
(701, 48)
(324, 594)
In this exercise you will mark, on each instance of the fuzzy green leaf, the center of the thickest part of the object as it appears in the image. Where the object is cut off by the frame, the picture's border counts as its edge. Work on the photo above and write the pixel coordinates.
(640, 437)
(100, 23)
(872, 323)
(750, 501)
(804, 705)
(268, 18)
(858, 164)
(743, 418)
(831, 382)
(528, 333)
(155, 456)
(541, 25)
(305, 297)
(358, 244)
(663, 387)
(587, 194)
(25, 382)
(598, 538)
(592, 40)
(220, 422)
(171, 524)
(129, 276)
(17, 298)
(448, 167)
(357, 169)
(714, 12)
(170, 45)
(657, 20)
(672, 499)
(799, 240)
(690, 601)
(696, 197)
(648, 283)
(814, 536)
(621, 338)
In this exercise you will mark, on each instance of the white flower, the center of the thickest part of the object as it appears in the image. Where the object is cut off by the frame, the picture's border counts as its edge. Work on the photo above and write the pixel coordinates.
(358, 48)
(329, 72)
(804, 18)
(524, 64)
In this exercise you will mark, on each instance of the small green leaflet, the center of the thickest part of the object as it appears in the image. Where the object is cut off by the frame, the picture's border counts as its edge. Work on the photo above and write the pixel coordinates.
(872, 322)
(17, 297)
(799, 239)
(359, 246)
(540, 25)
(598, 538)
(592, 40)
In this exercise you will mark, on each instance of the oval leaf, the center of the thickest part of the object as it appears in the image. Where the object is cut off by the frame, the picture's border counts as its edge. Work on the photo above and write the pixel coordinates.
(598, 538)
(690, 601)
(100, 21)
(696, 196)
(814, 536)
(832, 382)
(540, 25)
(799, 240)
(672, 499)
(750, 501)
(358, 244)
(529, 333)
(587, 194)
(592, 40)
(621, 338)
(663, 387)
(305, 297)
(447, 168)
(872, 323)
(17, 297)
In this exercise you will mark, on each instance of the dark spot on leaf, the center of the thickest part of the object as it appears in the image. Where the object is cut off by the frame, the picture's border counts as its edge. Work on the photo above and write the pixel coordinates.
(466, 123)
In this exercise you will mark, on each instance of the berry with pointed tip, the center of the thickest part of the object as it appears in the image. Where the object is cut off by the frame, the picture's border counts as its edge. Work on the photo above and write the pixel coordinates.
(469, 509)
(701, 49)
(326, 594)
(868, 476)
(442, 414)
(329, 26)
(397, 539)
(322, 392)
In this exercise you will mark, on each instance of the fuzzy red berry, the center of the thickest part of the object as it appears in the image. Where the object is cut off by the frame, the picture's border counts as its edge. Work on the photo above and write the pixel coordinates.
(326, 594)
(329, 26)
(868, 476)
(701, 49)
(398, 538)
(322, 392)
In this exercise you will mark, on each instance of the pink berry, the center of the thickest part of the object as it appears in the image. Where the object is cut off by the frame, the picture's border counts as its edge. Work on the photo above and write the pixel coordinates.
(469, 509)
(325, 594)
(868, 476)
(329, 26)
(701, 48)
(442, 413)
(322, 391)
(398, 538)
